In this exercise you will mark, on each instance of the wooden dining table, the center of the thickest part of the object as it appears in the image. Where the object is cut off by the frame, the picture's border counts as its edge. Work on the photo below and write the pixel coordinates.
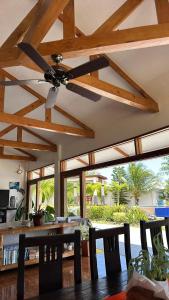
(89, 290)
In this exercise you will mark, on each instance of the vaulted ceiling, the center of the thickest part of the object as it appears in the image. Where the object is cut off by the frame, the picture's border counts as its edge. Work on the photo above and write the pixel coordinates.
(134, 86)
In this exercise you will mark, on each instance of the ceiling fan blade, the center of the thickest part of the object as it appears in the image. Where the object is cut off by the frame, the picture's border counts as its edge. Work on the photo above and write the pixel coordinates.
(52, 96)
(83, 92)
(21, 82)
(34, 55)
(88, 67)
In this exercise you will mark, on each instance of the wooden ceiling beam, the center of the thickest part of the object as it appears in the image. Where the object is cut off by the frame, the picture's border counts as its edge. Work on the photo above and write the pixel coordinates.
(95, 73)
(16, 157)
(48, 12)
(127, 78)
(48, 114)
(41, 100)
(118, 69)
(38, 136)
(21, 113)
(120, 40)
(33, 106)
(27, 109)
(78, 32)
(25, 145)
(19, 134)
(71, 118)
(27, 153)
(9, 57)
(69, 20)
(43, 125)
(116, 93)
(162, 9)
(19, 31)
(25, 87)
(118, 16)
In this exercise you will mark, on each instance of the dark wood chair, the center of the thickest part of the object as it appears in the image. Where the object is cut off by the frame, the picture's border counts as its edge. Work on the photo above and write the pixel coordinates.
(111, 249)
(155, 228)
(50, 260)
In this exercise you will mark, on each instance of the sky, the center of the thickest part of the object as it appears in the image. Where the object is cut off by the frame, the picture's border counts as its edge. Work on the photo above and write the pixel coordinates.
(153, 164)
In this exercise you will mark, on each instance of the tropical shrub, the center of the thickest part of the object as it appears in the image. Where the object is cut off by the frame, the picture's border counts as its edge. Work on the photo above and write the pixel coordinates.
(119, 217)
(135, 214)
(108, 213)
(95, 212)
(116, 214)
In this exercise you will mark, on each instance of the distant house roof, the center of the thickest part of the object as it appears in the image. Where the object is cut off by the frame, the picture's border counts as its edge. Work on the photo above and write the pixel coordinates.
(97, 176)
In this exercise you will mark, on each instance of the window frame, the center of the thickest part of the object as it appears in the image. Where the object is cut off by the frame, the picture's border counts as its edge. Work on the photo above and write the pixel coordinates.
(36, 181)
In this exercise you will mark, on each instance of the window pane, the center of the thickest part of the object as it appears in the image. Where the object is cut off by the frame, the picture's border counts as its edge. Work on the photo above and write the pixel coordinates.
(77, 162)
(35, 174)
(46, 192)
(49, 170)
(72, 207)
(32, 196)
(155, 141)
(115, 152)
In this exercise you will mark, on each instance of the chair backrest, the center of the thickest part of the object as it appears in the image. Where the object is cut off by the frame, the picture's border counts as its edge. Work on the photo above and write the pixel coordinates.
(111, 249)
(50, 260)
(155, 228)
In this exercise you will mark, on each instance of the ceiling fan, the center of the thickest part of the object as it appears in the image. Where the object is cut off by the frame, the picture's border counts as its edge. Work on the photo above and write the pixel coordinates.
(57, 75)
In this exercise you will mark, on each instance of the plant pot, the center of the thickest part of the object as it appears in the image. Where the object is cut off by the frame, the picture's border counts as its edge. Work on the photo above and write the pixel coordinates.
(37, 220)
(164, 285)
(85, 248)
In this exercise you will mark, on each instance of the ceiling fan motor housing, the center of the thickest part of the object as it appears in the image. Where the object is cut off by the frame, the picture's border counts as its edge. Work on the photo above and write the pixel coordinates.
(59, 76)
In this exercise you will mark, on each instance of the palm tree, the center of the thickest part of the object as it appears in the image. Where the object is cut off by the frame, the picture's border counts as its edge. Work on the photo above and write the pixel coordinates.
(119, 174)
(140, 180)
(119, 185)
(92, 187)
(165, 166)
(120, 192)
(47, 191)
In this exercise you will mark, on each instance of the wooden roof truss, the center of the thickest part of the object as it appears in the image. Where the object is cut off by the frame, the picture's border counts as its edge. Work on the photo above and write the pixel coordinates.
(105, 39)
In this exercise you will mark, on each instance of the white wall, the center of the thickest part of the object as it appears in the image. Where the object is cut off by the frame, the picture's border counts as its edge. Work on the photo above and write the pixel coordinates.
(8, 173)
(44, 159)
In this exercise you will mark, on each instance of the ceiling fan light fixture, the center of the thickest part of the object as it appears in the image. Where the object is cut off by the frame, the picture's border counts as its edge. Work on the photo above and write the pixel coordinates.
(51, 98)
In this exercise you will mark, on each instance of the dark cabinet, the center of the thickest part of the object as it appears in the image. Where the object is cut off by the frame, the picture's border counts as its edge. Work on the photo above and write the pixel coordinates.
(2, 215)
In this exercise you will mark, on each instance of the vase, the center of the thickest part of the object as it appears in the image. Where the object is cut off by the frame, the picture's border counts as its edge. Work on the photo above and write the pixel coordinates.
(85, 248)
(164, 285)
(37, 220)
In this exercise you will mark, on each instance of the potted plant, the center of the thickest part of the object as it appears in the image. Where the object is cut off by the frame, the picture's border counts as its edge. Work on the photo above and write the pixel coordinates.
(21, 209)
(37, 216)
(85, 238)
(42, 215)
(49, 214)
(154, 267)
